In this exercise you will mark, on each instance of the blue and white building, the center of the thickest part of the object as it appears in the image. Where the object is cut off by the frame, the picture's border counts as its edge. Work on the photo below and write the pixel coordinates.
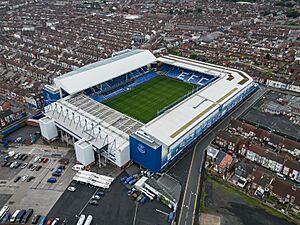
(80, 117)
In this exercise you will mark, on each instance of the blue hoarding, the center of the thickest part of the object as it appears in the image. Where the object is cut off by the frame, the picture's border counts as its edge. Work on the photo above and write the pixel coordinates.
(145, 155)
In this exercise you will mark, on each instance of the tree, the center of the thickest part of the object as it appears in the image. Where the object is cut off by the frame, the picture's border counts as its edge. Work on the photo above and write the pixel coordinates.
(268, 56)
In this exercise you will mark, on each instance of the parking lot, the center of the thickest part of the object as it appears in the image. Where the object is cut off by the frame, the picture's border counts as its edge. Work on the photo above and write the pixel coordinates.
(114, 208)
(36, 193)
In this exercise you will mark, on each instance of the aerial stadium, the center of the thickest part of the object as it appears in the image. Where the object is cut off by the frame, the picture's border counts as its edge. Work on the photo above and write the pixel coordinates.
(136, 107)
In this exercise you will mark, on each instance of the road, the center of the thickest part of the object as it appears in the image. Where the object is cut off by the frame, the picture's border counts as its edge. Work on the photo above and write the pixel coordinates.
(188, 214)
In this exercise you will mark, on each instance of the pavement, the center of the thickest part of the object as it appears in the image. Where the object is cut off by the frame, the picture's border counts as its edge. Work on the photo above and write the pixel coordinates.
(188, 214)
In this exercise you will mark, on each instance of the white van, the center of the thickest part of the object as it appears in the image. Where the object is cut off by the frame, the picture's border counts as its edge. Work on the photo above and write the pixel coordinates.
(78, 167)
(81, 219)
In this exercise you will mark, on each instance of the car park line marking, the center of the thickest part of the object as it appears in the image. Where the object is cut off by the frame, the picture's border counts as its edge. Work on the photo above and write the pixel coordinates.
(162, 212)
(135, 212)
(79, 214)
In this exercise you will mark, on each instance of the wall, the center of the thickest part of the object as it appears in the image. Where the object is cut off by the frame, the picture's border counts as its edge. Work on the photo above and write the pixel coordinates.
(145, 155)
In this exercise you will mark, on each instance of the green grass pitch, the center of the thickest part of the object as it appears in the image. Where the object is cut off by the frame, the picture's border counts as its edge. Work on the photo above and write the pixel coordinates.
(144, 101)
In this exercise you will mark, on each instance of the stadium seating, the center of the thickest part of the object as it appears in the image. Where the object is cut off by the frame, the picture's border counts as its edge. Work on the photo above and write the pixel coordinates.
(118, 86)
(186, 75)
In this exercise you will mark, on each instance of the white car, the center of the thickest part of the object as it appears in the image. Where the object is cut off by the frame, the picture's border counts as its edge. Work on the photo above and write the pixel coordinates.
(23, 178)
(11, 154)
(13, 164)
(17, 155)
(23, 165)
(55, 221)
(71, 188)
(78, 167)
(33, 168)
(37, 158)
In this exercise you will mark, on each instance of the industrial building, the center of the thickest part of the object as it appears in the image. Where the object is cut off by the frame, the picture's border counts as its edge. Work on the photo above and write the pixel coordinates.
(81, 118)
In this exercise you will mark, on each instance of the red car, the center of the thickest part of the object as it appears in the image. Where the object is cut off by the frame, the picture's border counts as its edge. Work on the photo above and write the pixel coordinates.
(49, 221)
(45, 160)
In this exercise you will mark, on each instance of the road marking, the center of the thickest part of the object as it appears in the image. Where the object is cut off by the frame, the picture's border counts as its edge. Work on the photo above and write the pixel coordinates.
(188, 179)
(135, 212)
(79, 214)
(162, 212)
(258, 94)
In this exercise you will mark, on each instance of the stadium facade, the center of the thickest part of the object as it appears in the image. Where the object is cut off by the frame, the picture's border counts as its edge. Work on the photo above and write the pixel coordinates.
(77, 112)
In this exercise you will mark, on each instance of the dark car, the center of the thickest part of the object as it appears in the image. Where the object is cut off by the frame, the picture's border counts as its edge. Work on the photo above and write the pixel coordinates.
(20, 216)
(4, 164)
(27, 216)
(18, 165)
(30, 166)
(17, 179)
(94, 202)
(30, 178)
(25, 157)
(38, 168)
(56, 174)
(20, 156)
(6, 218)
(8, 164)
(100, 193)
(35, 219)
(45, 160)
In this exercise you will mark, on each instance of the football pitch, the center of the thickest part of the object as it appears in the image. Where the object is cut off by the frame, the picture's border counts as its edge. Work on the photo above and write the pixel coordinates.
(144, 101)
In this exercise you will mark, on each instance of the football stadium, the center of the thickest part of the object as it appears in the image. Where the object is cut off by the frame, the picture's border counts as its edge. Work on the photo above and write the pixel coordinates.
(136, 107)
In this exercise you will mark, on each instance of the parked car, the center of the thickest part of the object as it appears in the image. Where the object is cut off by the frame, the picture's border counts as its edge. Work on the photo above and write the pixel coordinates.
(52, 180)
(55, 221)
(24, 157)
(94, 202)
(9, 164)
(36, 159)
(5, 218)
(24, 165)
(27, 216)
(56, 174)
(4, 163)
(96, 197)
(49, 222)
(11, 153)
(17, 179)
(45, 160)
(14, 216)
(17, 155)
(30, 166)
(24, 177)
(20, 216)
(18, 164)
(78, 167)
(30, 178)
(38, 168)
(42, 220)
(100, 193)
(20, 156)
(35, 219)
(71, 188)
(33, 167)
(13, 164)
(6, 158)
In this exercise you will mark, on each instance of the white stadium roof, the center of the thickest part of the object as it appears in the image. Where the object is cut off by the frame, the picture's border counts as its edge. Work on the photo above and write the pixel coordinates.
(181, 118)
(102, 71)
